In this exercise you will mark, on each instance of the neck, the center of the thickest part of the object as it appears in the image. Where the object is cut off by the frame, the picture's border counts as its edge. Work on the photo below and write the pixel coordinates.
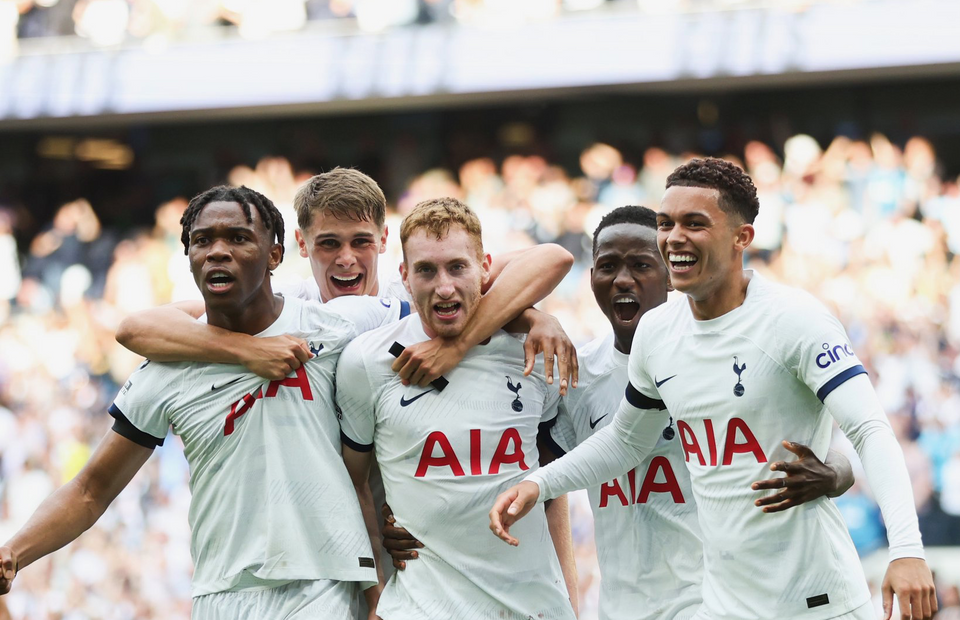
(622, 344)
(727, 296)
(255, 316)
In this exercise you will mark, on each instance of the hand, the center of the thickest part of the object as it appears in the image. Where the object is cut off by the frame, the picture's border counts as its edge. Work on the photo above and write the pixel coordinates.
(8, 569)
(424, 362)
(910, 579)
(276, 357)
(510, 507)
(807, 479)
(548, 337)
(398, 542)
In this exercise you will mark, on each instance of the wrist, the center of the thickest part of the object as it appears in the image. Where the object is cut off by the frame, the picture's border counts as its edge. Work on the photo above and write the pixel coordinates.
(837, 487)
(236, 348)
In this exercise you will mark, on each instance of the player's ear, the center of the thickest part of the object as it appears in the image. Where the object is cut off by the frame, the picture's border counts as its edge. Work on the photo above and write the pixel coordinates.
(745, 235)
(485, 266)
(404, 276)
(275, 256)
(301, 243)
(383, 239)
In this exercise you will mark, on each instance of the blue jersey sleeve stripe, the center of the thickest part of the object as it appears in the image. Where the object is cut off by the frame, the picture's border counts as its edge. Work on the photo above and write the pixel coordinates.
(839, 380)
(125, 428)
(353, 445)
(404, 308)
(638, 400)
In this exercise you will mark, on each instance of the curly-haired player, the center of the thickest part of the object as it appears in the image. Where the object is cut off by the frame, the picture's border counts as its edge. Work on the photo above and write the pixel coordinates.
(741, 363)
(276, 528)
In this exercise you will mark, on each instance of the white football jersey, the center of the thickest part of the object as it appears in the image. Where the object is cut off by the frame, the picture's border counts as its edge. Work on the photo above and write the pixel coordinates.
(444, 457)
(307, 288)
(736, 386)
(645, 522)
(271, 500)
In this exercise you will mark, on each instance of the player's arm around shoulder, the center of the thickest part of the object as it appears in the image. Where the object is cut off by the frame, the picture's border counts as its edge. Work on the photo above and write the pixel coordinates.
(75, 507)
(172, 333)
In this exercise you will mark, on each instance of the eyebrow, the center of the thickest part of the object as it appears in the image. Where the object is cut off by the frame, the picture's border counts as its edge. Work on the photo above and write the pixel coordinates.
(231, 229)
(336, 236)
(684, 216)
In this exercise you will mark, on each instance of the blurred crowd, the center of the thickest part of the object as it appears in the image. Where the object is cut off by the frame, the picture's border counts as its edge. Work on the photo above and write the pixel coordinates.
(112, 22)
(870, 227)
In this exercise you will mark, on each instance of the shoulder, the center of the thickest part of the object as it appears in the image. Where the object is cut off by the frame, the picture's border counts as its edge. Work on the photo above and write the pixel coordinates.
(793, 308)
(375, 345)
(594, 358)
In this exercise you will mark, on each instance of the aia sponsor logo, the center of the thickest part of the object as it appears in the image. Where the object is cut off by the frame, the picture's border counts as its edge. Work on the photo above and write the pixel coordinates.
(613, 493)
(833, 354)
(299, 380)
(738, 439)
(439, 452)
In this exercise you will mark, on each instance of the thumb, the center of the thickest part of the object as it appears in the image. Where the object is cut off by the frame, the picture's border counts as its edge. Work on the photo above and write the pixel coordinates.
(797, 448)
(516, 507)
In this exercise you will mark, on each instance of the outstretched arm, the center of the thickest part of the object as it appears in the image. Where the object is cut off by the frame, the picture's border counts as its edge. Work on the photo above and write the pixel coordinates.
(856, 408)
(172, 333)
(75, 507)
(523, 279)
(807, 479)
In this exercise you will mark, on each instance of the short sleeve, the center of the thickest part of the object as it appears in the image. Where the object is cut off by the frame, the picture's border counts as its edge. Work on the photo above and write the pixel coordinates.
(355, 399)
(814, 346)
(143, 406)
(368, 313)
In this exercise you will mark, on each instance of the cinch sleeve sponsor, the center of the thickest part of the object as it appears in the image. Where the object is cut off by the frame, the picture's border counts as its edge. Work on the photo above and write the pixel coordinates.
(817, 350)
(354, 399)
(142, 406)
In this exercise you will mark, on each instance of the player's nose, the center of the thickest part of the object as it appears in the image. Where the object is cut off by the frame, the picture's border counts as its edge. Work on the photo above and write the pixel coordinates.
(219, 250)
(623, 280)
(346, 257)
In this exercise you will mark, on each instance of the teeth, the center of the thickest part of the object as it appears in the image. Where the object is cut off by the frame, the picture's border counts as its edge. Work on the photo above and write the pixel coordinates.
(447, 305)
(623, 300)
(346, 278)
(682, 258)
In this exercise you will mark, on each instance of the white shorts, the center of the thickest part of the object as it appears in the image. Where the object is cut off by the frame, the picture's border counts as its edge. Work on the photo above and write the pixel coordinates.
(321, 599)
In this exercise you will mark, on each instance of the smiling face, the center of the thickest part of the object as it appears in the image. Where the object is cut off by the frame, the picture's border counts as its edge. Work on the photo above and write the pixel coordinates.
(343, 254)
(628, 277)
(701, 244)
(444, 277)
(231, 260)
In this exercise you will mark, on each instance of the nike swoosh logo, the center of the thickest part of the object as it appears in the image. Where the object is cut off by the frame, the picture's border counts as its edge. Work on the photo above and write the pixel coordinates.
(404, 402)
(225, 383)
(659, 383)
(593, 423)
